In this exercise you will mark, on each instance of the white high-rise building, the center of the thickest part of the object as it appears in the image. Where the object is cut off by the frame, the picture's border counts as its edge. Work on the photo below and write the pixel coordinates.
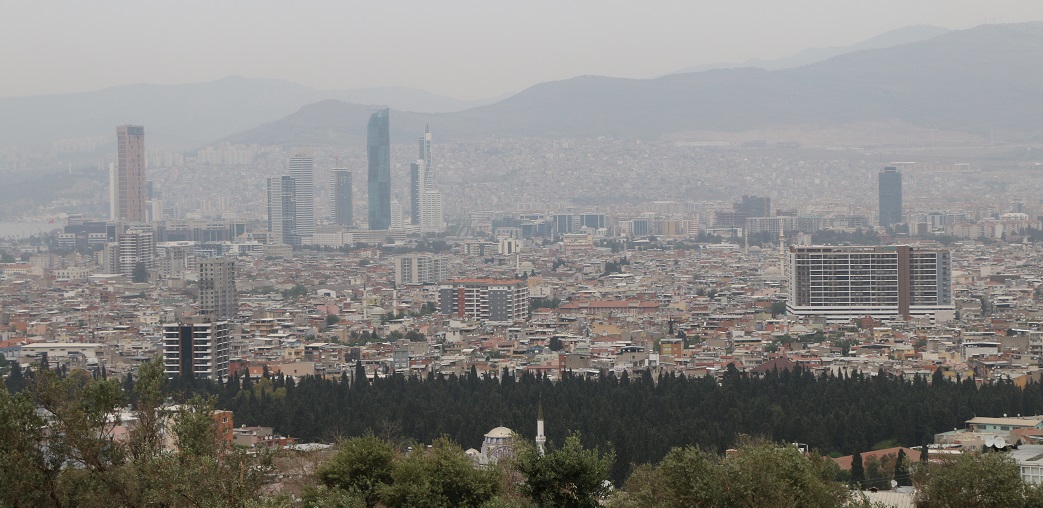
(136, 246)
(431, 214)
(113, 191)
(421, 269)
(302, 170)
(397, 221)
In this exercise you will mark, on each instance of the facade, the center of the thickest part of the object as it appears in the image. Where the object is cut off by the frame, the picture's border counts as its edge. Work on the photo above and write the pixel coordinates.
(746, 207)
(378, 153)
(890, 196)
(302, 170)
(841, 283)
(218, 299)
(425, 155)
(282, 210)
(130, 173)
(563, 223)
(431, 211)
(196, 349)
(502, 301)
(342, 200)
(421, 269)
(136, 246)
(592, 220)
(417, 186)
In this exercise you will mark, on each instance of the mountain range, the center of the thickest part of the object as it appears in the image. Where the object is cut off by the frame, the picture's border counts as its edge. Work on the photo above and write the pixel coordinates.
(891, 38)
(966, 85)
(186, 116)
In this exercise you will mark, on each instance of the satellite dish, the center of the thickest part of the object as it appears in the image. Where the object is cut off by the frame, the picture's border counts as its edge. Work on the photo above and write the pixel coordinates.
(990, 441)
(893, 484)
(999, 442)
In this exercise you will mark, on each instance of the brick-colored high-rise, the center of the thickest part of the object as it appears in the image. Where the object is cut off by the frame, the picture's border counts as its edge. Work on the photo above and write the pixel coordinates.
(130, 173)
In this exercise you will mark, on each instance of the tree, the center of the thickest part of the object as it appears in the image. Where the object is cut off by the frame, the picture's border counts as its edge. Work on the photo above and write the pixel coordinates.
(985, 479)
(759, 473)
(555, 344)
(415, 336)
(858, 473)
(140, 273)
(570, 476)
(362, 464)
(901, 473)
(442, 475)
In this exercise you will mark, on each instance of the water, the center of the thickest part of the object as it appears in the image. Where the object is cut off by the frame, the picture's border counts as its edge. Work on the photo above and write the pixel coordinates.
(27, 229)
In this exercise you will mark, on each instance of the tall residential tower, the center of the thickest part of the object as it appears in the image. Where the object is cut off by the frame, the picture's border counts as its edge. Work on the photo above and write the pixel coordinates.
(130, 173)
(302, 170)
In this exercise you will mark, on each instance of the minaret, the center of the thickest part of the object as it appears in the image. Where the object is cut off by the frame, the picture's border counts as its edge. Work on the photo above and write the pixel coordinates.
(540, 438)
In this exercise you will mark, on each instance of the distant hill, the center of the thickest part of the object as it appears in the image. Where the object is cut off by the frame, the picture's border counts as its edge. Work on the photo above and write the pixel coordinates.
(896, 37)
(188, 115)
(980, 82)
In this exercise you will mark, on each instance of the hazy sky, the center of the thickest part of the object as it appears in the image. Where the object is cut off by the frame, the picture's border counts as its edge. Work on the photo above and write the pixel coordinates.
(468, 49)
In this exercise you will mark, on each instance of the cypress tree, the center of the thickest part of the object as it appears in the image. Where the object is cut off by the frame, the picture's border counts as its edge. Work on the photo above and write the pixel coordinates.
(858, 473)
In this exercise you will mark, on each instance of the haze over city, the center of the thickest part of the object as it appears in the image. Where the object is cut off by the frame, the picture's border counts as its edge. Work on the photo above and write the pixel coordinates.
(469, 50)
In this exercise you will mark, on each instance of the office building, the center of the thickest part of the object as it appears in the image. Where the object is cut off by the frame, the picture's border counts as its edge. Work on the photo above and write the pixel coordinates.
(501, 301)
(592, 220)
(890, 196)
(218, 300)
(842, 283)
(342, 201)
(563, 223)
(130, 173)
(378, 154)
(302, 170)
(421, 269)
(282, 210)
(198, 349)
(746, 207)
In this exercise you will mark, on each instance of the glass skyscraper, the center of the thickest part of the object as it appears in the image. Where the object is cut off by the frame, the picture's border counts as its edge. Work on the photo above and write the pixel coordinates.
(378, 144)
(890, 196)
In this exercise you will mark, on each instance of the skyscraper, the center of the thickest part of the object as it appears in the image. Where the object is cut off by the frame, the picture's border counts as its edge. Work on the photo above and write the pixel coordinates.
(425, 155)
(282, 210)
(890, 196)
(378, 152)
(130, 173)
(302, 171)
(342, 203)
(218, 299)
(417, 186)
(432, 218)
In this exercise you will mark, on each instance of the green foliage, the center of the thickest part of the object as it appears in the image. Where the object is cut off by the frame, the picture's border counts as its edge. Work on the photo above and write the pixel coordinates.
(544, 303)
(362, 464)
(86, 465)
(858, 473)
(569, 476)
(987, 479)
(296, 291)
(758, 474)
(901, 471)
(332, 319)
(442, 476)
(140, 273)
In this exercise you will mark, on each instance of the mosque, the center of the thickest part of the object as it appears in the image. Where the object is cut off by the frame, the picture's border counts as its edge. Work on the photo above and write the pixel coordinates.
(499, 443)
